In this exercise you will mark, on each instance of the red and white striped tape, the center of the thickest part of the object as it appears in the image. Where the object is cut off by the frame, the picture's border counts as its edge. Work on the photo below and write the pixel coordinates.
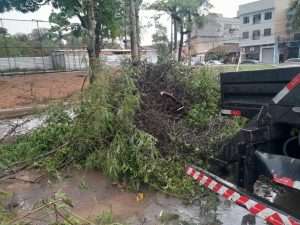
(254, 207)
(231, 112)
(287, 89)
(287, 182)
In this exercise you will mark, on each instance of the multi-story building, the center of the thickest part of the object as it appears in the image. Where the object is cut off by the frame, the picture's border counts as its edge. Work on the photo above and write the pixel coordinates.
(216, 31)
(263, 24)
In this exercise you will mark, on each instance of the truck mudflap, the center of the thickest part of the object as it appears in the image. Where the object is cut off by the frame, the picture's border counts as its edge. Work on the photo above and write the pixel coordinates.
(282, 170)
(227, 190)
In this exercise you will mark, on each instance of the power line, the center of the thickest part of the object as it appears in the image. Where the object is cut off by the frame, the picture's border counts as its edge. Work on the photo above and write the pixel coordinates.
(24, 20)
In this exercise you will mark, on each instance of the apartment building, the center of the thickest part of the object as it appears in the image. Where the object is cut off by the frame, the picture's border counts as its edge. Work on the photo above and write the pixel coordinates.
(263, 24)
(216, 31)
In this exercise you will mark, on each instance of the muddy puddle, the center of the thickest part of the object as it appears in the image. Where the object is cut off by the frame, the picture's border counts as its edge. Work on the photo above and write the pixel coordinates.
(19, 126)
(92, 194)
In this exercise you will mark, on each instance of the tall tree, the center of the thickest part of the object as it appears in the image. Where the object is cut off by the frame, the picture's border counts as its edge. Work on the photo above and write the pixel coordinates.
(3, 31)
(161, 43)
(97, 17)
(184, 14)
(293, 15)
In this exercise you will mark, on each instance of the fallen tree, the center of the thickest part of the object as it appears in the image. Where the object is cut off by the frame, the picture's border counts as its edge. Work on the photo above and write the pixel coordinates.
(142, 127)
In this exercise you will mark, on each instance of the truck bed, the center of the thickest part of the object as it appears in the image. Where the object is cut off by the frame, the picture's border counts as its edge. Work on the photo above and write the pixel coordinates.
(249, 91)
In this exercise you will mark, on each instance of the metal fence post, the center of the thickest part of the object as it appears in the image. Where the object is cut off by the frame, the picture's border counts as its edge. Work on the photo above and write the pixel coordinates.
(41, 44)
(5, 46)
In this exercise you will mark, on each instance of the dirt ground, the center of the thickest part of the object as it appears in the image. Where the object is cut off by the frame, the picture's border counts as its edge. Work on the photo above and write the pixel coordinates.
(25, 90)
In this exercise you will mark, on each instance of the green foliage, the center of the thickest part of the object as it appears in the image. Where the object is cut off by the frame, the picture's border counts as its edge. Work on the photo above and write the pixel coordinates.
(19, 45)
(5, 215)
(205, 90)
(23, 6)
(109, 17)
(161, 43)
(102, 136)
(293, 16)
(185, 15)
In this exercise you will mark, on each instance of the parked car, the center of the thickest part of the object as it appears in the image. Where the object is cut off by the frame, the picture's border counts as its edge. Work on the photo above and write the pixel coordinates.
(214, 62)
(292, 62)
(250, 61)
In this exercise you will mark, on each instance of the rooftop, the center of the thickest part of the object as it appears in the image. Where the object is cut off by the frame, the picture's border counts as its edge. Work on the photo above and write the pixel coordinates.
(256, 6)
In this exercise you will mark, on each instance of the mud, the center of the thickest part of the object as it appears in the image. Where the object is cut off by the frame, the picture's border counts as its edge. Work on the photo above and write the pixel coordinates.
(92, 194)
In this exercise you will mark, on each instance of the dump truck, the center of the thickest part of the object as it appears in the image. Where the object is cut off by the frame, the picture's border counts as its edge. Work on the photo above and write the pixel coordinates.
(268, 146)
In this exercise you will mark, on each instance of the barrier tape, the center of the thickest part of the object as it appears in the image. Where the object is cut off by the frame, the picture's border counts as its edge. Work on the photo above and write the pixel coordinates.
(287, 89)
(258, 209)
(231, 112)
(286, 181)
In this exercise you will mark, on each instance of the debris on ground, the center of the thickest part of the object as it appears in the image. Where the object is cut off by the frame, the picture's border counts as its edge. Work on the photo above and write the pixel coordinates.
(169, 97)
(140, 128)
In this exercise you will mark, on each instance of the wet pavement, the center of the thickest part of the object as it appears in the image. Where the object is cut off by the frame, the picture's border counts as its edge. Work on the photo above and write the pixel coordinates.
(20, 126)
(92, 194)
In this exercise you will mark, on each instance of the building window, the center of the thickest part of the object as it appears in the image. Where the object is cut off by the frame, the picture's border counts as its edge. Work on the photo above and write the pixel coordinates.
(246, 20)
(267, 32)
(256, 35)
(227, 26)
(245, 35)
(256, 18)
(268, 15)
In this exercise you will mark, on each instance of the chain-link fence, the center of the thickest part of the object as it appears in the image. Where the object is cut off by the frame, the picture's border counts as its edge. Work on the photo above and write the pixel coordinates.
(33, 46)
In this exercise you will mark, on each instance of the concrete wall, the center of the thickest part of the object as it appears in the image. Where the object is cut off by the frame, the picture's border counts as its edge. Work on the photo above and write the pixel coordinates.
(216, 31)
(70, 60)
(26, 64)
(200, 45)
(65, 61)
(280, 19)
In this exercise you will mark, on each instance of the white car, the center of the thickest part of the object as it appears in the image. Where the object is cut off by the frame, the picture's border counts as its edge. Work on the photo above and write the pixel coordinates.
(293, 62)
(214, 62)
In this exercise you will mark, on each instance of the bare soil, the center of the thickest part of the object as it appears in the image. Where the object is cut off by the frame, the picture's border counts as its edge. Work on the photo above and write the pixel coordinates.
(27, 90)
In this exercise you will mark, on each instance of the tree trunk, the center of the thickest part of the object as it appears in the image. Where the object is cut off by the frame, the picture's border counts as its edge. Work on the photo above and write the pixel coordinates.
(189, 48)
(175, 37)
(181, 42)
(172, 37)
(125, 24)
(190, 39)
(97, 40)
(138, 30)
(91, 5)
(133, 32)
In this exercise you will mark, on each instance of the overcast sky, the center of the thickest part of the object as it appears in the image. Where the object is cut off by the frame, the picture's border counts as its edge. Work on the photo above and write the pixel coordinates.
(228, 8)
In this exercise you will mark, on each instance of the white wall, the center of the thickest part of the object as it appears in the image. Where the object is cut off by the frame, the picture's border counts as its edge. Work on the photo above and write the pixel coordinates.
(26, 63)
(256, 6)
(250, 27)
(76, 61)
(65, 61)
